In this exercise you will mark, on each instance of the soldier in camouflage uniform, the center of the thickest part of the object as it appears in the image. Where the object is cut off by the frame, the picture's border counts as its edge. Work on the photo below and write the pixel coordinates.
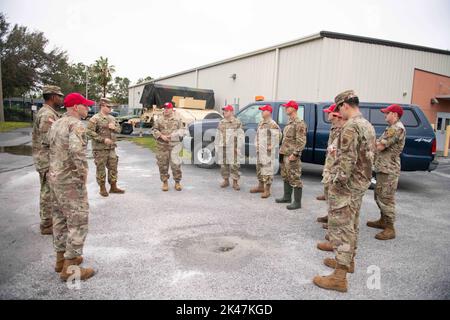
(102, 129)
(67, 175)
(336, 125)
(292, 145)
(43, 121)
(169, 131)
(228, 143)
(387, 167)
(351, 174)
(267, 141)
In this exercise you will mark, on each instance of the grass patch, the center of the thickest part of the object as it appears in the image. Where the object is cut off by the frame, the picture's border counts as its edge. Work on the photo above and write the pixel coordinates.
(150, 143)
(146, 142)
(10, 125)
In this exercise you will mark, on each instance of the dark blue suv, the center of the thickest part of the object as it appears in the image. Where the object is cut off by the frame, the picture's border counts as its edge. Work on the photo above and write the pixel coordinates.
(418, 154)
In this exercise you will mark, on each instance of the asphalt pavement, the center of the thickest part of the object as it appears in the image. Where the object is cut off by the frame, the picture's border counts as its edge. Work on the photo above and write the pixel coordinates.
(208, 243)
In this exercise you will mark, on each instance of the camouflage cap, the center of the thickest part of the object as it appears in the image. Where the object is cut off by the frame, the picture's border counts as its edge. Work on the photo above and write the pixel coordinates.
(106, 101)
(344, 97)
(52, 90)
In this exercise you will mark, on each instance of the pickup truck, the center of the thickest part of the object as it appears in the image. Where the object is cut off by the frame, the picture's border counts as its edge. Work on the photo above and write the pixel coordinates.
(418, 154)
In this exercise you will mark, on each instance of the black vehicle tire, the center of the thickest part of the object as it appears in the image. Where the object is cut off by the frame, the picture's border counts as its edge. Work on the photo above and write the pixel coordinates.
(126, 128)
(203, 156)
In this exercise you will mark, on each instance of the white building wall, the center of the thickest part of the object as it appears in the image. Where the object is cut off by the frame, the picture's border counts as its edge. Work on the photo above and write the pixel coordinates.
(134, 96)
(183, 80)
(377, 73)
(298, 77)
(254, 76)
(315, 71)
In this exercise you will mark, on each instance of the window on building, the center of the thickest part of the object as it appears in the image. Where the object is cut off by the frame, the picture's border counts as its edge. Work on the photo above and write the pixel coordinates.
(283, 117)
(439, 124)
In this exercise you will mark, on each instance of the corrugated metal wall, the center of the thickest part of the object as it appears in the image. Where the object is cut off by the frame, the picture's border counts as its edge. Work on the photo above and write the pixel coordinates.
(298, 76)
(378, 73)
(134, 96)
(316, 71)
(184, 80)
(254, 76)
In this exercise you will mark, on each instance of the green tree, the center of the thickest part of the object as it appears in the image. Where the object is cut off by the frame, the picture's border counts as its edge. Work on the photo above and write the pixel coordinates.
(26, 64)
(142, 80)
(102, 73)
(119, 90)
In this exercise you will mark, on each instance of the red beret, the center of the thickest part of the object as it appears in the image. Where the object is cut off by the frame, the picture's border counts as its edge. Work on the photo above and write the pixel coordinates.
(168, 105)
(393, 108)
(228, 108)
(267, 107)
(74, 98)
(291, 104)
(330, 109)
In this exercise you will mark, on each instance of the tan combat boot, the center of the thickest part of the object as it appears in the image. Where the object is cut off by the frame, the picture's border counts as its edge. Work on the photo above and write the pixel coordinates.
(323, 219)
(258, 189)
(45, 231)
(103, 191)
(178, 186)
(321, 197)
(327, 237)
(115, 189)
(85, 273)
(236, 185)
(388, 233)
(378, 224)
(165, 186)
(225, 183)
(331, 262)
(266, 193)
(325, 246)
(335, 281)
(60, 261)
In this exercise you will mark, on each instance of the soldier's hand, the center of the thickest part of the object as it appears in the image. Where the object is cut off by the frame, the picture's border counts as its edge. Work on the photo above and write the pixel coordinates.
(331, 149)
(112, 125)
(165, 138)
(292, 157)
(108, 141)
(380, 146)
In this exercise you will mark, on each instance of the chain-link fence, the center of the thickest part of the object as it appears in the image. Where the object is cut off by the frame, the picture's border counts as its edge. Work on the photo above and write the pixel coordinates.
(19, 109)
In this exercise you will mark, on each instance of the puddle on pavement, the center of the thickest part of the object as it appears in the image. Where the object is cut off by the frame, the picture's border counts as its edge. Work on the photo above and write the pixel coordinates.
(216, 252)
(22, 150)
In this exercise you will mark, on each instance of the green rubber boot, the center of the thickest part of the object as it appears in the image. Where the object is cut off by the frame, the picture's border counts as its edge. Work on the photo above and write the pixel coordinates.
(287, 194)
(297, 203)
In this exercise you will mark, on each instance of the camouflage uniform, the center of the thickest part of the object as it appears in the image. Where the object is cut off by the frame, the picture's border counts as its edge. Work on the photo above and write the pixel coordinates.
(330, 158)
(168, 152)
(267, 135)
(228, 143)
(104, 155)
(387, 168)
(351, 174)
(45, 117)
(294, 141)
(67, 174)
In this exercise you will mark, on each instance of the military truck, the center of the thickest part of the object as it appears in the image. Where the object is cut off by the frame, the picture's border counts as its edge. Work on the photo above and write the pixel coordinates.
(191, 104)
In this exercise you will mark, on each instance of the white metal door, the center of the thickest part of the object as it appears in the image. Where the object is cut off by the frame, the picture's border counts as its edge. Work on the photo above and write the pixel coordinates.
(443, 120)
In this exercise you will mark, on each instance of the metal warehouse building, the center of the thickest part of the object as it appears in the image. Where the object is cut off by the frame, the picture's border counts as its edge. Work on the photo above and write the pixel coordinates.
(317, 67)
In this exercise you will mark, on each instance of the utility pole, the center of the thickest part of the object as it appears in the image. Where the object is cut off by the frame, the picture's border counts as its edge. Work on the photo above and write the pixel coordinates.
(2, 110)
(87, 82)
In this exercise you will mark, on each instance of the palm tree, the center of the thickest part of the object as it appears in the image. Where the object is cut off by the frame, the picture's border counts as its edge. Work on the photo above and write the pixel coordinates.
(102, 73)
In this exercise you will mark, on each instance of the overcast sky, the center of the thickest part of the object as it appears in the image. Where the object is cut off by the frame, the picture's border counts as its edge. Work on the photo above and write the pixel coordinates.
(156, 38)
